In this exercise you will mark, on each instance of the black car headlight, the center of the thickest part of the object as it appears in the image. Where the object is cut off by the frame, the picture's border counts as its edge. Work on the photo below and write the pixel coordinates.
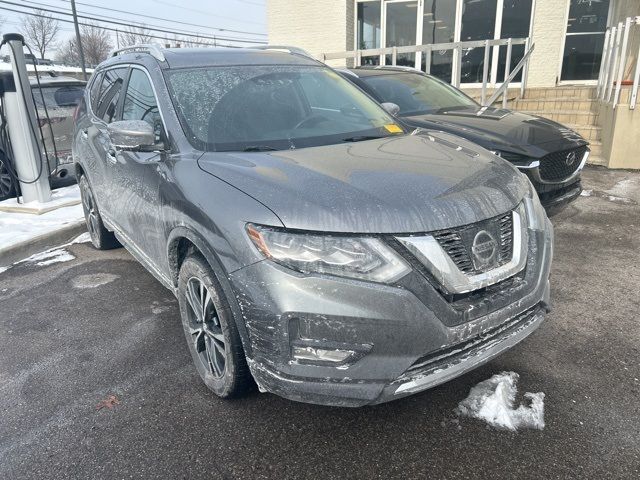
(363, 258)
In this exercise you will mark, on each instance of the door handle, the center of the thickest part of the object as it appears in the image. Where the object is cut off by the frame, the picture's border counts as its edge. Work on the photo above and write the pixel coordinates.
(111, 155)
(85, 133)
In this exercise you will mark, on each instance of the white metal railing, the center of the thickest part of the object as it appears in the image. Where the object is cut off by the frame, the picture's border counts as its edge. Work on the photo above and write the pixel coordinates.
(458, 48)
(615, 58)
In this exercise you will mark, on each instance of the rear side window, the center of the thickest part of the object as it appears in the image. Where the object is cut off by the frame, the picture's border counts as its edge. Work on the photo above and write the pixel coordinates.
(95, 91)
(60, 101)
(140, 101)
(110, 89)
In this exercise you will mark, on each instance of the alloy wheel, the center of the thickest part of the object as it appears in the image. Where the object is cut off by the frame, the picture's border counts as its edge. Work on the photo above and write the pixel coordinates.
(90, 210)
(205, 328)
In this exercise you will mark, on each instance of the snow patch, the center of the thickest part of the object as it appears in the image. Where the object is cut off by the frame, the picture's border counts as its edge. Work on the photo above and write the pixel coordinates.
(586, 193)
(4, 269)
(82, 238)
(493, 401)
(48, 257)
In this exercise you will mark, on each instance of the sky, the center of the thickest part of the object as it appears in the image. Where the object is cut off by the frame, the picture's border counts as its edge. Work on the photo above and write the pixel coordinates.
(241, 15)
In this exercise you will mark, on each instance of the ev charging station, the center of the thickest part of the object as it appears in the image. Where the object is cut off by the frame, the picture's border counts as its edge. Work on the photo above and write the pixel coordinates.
(30, 164)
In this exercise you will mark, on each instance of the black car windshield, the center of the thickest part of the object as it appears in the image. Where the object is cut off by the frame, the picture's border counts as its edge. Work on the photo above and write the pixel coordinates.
(267, 107)
(416, 94)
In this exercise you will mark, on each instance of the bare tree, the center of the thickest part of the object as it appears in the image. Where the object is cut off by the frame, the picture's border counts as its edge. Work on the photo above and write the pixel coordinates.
(96, 42)
(134, 35)
(40, 30)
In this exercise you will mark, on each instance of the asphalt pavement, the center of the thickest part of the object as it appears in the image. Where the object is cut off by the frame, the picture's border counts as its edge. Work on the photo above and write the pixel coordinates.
(99, 331)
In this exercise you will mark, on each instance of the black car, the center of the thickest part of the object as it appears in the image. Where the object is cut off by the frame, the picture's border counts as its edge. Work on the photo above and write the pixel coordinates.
(551, 154)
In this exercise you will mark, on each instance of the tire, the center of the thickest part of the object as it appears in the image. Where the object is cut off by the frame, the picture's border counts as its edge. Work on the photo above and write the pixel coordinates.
(7, 182)
(101, 238)
(216, 348)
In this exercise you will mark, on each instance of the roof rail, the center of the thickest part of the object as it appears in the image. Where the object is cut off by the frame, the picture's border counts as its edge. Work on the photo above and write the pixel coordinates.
(152, 49)
(283, 48)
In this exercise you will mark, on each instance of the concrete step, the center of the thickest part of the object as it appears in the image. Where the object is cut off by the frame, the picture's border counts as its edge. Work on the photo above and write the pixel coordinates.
(550, 105)
(568, 117)
(596, 150)
(596, 160)
(559, 93)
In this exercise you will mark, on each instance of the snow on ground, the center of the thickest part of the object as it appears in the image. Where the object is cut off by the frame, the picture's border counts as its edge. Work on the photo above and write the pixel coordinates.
(43, 259)
(16, 228)
(493, 401)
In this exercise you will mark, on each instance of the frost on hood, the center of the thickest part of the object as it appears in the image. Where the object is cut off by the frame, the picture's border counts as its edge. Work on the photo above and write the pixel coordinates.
(493, 401)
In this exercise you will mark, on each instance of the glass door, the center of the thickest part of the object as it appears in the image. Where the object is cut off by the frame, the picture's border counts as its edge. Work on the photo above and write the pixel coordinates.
(401, 29)
(584, 42)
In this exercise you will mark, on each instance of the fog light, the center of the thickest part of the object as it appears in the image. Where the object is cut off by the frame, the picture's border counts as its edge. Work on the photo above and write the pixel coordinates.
(312, 354)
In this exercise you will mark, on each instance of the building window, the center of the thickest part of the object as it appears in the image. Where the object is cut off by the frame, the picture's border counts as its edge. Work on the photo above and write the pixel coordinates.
(401, 29)
(369, 29)
(438, 26)
(584, 42)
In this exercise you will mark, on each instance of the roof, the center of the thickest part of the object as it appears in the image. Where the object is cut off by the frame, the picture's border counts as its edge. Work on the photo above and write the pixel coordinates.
(204, 57)
(376, 71)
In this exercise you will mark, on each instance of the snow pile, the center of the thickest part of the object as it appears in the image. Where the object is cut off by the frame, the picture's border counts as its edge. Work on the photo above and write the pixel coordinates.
(42, 259)
(17, 227)
(493, 401)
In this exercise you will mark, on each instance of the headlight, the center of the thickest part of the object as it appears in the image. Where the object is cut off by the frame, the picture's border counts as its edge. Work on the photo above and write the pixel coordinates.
(536, 215)
(354, 257)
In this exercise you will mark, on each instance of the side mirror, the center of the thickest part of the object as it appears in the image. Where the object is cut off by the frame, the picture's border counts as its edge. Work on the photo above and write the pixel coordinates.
(391, 108)
(132, 135)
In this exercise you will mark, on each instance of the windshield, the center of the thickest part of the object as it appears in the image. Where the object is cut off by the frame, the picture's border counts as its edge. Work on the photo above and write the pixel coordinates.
(253, 108)
(417, 94)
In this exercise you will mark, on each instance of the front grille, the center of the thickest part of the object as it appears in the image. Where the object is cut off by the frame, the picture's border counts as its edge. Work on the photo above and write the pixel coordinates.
(454, 354)
(555, 168)
(457, 242)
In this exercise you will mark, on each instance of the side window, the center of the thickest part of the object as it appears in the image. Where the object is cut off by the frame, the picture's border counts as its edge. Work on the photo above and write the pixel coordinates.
(140, 102)
(95, 90)
(110, 93)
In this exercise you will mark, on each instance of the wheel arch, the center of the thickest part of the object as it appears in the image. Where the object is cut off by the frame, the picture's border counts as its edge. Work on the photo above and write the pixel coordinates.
(183, 241)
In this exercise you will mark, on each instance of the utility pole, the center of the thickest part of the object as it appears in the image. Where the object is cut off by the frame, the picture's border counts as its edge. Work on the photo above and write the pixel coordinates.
(78, 40)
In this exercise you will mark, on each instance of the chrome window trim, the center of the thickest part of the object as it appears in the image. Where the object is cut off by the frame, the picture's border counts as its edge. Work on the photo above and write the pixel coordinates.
(429, 252)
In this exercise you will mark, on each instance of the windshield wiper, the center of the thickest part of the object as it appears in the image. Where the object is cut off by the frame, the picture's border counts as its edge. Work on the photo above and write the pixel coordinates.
(259, 148)
(361, 138)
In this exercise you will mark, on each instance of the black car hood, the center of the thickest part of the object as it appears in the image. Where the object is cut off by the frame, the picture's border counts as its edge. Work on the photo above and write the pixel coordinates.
(499, 129)
(411, 183)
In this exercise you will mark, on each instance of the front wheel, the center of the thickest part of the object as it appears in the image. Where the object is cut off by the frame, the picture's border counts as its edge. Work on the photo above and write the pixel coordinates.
(7, 182)
(212, 336)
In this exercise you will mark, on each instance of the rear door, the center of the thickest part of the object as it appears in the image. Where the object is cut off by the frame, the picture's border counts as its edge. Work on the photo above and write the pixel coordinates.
(106, 111)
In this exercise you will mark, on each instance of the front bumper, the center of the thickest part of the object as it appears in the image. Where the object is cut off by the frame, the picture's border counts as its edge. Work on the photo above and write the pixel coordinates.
(404, 338)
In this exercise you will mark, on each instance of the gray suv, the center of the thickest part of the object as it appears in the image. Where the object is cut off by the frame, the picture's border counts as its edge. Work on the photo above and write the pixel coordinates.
(315, 246)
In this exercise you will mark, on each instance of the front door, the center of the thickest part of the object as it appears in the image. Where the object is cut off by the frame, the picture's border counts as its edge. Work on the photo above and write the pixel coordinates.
(584, 42)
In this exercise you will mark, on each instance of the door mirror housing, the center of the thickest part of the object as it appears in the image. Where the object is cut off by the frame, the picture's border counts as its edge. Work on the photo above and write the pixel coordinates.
(391, 108)
(133, 136)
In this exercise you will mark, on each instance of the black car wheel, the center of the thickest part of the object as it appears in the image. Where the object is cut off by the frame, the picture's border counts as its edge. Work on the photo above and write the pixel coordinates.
(101, 238)
(7, 186)
(212, 336)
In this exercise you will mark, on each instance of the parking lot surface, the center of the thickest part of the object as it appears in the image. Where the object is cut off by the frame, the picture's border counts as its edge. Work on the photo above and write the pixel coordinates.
(98, 330)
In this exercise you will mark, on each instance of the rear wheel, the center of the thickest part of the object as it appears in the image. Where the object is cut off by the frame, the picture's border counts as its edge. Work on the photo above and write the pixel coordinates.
(7, 183)
(212, 336)
(101, 238)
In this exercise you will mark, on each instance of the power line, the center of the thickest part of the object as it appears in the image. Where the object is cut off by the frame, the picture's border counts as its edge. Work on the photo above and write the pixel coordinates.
(97, 7)
(195, 42)
(126, 24)
(158, 18)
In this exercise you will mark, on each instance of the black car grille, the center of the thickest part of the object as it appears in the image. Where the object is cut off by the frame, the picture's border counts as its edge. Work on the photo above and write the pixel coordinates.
(457, 242)
(555, 168)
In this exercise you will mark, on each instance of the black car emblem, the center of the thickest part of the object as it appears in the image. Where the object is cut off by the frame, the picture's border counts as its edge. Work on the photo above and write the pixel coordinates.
(484, 249)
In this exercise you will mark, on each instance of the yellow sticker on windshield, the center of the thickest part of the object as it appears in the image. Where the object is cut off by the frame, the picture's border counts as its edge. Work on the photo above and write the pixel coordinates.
(393, 128)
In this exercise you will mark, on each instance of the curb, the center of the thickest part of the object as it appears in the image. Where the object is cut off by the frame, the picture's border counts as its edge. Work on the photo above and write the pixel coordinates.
(19, 251)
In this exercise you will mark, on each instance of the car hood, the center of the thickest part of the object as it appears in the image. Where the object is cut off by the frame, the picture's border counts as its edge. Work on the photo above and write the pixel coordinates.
(497, 129)
(412, 183)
